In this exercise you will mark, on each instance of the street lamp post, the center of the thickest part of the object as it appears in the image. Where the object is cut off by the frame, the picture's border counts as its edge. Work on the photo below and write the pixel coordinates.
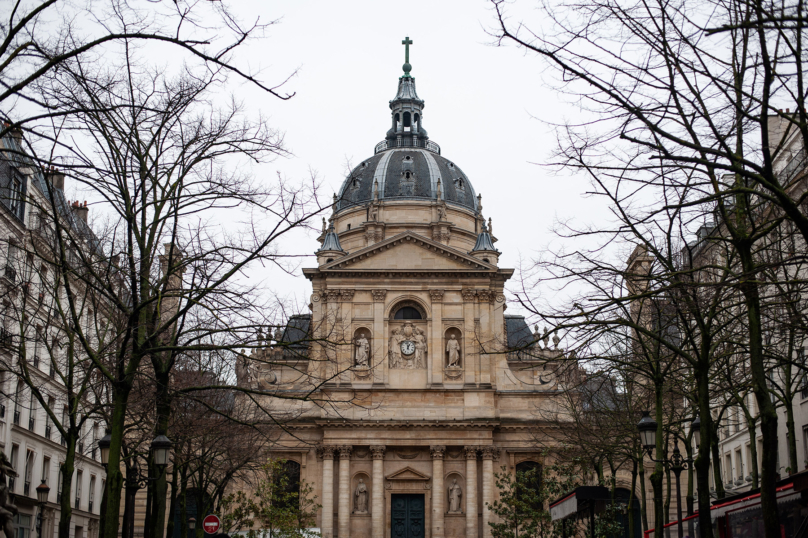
(161, 452)
(676, 463)
(42, 492)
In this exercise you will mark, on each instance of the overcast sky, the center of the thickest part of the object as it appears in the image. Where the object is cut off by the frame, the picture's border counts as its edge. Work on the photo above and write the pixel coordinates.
(486, 106)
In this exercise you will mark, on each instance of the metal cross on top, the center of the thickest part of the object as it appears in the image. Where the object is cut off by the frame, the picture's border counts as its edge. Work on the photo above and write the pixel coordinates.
(407, 42)
(407, 67)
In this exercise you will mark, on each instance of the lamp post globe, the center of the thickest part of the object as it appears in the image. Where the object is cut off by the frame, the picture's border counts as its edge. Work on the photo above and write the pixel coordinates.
(647, 428)
(161, 449)
(103, 446)
(695, 429)
(42, 492)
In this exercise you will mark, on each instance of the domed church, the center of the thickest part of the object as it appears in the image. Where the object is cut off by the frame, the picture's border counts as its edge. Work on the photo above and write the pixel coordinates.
(422, 388)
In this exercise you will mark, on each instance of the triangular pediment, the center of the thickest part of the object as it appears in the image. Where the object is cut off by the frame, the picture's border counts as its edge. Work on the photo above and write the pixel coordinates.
(407, 473)
(409, 251)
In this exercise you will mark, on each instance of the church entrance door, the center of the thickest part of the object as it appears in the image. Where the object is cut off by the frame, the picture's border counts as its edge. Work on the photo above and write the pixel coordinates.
(407, 515)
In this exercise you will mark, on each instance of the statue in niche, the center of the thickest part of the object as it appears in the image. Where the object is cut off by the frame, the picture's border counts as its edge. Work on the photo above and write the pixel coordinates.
(374, 213)
(361, 498)
(362, 351)
(453, 349)
(455, 495)
(395, 353)
(420, 349)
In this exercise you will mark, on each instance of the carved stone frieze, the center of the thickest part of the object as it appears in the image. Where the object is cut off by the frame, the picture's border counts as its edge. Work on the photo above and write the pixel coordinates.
(377, 451)
(332, 295)
(378, 295)
(436, 295)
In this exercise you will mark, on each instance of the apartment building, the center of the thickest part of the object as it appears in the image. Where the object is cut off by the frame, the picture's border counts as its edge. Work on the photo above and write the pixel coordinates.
(27, 435)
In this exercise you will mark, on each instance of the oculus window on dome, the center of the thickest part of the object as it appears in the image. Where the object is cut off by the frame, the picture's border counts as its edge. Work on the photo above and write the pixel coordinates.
(407, 312)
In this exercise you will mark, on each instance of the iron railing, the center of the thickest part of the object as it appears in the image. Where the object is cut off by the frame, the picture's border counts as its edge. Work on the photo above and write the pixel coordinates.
(407, 143)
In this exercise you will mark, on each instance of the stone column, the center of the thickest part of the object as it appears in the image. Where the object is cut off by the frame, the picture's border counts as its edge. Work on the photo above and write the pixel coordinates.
(377, 490)
(380, 359)
(489, 453)
(327, 517)
(437, 346)
(470, 344)
(438, 491)
(344, 505)
(486, 337)
(471, 491)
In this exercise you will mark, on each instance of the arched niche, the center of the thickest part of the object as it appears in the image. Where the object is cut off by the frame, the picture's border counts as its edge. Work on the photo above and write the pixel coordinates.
(362, 347)
(360, 494)
(449, 483)
(453, 334)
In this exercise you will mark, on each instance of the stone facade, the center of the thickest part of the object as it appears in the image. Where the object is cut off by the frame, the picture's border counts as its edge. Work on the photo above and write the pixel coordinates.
(419, 389)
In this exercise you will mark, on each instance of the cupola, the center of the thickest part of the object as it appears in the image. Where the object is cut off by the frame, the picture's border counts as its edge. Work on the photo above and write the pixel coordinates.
(331, 248)
(484, 248)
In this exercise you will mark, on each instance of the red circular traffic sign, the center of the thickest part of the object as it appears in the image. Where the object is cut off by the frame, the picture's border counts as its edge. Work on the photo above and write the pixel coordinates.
(211, 524)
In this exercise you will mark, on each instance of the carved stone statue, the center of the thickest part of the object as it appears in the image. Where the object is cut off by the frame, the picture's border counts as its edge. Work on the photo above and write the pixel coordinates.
(395, 351)
(453, 348)
(420, 349)
(373, 213)
(455, 495)
(362, 351)
(7, 509)
(361, 498)
(243, 370)
(441, 212)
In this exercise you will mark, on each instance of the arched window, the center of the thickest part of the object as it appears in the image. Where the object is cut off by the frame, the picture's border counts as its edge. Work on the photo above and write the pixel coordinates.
(407, 312)
(528, 483)
(407, 119)
(287, 481)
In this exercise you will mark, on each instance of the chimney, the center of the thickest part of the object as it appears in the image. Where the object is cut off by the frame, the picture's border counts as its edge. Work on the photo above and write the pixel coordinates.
(80, 211)
(56, 178)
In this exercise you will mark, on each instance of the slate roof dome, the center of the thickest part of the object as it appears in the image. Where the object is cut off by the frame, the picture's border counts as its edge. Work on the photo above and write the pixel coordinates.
(406, 164)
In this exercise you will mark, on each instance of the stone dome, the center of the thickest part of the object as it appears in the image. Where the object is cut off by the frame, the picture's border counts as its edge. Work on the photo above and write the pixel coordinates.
(407, 173)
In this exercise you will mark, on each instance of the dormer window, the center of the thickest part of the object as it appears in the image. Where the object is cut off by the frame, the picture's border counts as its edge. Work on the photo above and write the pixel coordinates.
(407, 158)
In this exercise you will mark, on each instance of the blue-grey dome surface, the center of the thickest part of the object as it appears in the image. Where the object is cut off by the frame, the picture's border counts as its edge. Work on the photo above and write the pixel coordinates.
(407, 173)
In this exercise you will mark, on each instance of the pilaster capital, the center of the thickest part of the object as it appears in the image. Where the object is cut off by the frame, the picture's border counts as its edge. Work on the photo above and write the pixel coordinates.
(345, 452)
(436, 295)
(326, 452)
(332, 295)
(486, 296)
(471, 452)
(377, 451)
(378, 295)
(346, 295)
(437, 452)
(490, 452)
(468, 294)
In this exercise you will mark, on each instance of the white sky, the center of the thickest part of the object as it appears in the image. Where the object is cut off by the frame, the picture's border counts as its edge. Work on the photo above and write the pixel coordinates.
(483, 106)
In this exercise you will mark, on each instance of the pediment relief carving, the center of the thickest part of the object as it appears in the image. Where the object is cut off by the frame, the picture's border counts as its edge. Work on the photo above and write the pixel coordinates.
(406, 251)
(407, 473)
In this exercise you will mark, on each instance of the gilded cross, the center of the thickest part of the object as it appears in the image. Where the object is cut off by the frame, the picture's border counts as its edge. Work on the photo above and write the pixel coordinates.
(407, 42)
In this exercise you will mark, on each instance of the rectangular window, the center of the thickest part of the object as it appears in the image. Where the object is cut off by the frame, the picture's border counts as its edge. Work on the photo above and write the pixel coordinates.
(739, 464)
(29, 473)
(22, 523)
(728, 469)
(45, 469)
(32, 412)
(11, 261)
(59, 483)
(18, 403)
(15, 455)
(92, 494)
(79, 480)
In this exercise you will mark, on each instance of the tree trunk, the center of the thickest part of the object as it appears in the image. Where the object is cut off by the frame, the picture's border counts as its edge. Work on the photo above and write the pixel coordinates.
(717, 479)
(67, 468)
(172, 506)
(657, 476)
(114, 475)
(159, 488)
(705, 447)
(643, 501)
